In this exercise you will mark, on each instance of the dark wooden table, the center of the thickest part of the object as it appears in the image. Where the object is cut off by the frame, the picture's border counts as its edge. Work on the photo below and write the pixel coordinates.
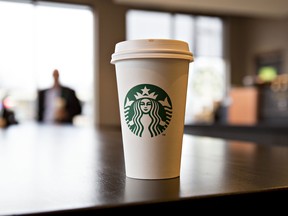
(57, 170)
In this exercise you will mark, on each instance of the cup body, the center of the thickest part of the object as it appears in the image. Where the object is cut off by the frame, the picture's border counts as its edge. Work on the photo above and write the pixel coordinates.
(152, 99)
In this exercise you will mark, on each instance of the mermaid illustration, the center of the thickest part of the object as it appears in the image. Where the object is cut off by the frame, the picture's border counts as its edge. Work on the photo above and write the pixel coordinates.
(147, 111)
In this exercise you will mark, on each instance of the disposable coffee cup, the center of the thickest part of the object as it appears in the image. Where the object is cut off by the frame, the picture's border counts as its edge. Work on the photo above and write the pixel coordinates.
(152, 77)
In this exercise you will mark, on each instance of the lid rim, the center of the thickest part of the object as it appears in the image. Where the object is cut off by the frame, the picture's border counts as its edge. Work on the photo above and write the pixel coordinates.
(151, 48)
(116, 58)
(131, 51)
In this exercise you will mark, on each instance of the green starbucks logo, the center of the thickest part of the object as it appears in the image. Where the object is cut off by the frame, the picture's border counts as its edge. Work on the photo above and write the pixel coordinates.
(147, 109)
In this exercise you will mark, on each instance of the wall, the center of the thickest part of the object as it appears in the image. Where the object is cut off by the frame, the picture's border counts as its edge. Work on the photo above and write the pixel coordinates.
(266, 35)
(250, 37)
(110, 28)
(236, 46)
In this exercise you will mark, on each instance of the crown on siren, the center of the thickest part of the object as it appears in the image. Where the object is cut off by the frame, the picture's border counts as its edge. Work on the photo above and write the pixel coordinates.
(145, 94)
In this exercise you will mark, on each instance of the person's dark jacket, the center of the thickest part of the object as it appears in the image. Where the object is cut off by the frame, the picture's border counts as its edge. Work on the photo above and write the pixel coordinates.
(73, 105)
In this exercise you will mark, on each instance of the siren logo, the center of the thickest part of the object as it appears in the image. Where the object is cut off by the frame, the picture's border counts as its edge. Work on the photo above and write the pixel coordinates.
(147, 110)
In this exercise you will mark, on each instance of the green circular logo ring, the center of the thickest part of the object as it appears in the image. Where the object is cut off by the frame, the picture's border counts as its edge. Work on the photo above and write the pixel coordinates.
(147, 109)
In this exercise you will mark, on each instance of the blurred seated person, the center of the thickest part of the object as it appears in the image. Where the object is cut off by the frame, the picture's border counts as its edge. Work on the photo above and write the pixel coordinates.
(219, 112)
(57, 104)
(7, 116)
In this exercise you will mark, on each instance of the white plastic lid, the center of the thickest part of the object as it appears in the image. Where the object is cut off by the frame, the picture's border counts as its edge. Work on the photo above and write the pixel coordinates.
(151, 48)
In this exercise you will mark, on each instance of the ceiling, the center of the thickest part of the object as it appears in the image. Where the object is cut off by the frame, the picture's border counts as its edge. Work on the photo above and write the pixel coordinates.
(255, 8)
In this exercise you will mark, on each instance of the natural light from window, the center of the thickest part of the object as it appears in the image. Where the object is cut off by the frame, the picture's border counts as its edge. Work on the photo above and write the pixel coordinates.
(37, 38)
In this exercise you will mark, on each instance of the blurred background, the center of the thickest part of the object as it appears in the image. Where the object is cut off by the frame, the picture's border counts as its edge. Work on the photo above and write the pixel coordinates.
(239, 76)
(37, 38)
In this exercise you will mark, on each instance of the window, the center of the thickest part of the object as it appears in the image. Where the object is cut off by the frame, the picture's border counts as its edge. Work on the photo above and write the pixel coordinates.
(37, 38)
(207, 75)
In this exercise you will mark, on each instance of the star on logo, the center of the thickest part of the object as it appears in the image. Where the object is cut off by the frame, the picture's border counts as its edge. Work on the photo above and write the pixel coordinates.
(145, 91)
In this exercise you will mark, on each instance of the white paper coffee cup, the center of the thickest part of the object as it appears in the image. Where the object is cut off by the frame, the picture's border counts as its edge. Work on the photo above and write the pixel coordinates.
(152, 76)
